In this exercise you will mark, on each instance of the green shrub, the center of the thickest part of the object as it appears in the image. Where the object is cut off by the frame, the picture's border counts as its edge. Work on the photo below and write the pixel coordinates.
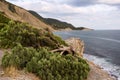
(18, 57)
(47, 65)
(3, 19)
(60, 40)
(46, 41)
(1, 25)
(15, 32)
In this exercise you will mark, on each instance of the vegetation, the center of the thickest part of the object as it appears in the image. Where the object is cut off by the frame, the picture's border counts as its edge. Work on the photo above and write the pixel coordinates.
(46, 65)
(12, 33)
(3, 19)
(31, 51)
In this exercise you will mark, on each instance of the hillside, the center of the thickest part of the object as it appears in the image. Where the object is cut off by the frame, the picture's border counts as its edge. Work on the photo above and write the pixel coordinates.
(19, 14)
(56, 24)
(30, 51)
(35, 50)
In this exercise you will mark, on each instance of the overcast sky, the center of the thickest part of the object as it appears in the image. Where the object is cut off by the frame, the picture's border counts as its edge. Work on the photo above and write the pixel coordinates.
(95, 14)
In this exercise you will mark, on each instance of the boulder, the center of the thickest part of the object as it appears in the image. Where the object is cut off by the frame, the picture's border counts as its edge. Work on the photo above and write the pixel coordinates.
(77, 45)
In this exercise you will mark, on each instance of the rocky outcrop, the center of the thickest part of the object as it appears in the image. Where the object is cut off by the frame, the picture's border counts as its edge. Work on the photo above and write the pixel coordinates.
(96, 73)
(77, 45)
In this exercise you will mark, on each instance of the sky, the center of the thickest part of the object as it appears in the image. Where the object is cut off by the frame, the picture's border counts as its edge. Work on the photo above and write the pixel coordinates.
(95, 14)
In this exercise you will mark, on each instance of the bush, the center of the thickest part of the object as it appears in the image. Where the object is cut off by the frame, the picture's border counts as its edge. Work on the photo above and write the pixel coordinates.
(3, 19)
(47, 65)
(15, 32)
(18, 57)
(60, 40)
(47, 42)
(1, 25)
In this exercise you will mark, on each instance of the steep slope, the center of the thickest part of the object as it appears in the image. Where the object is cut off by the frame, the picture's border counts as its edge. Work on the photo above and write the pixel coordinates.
(56, 24)
(16, 13)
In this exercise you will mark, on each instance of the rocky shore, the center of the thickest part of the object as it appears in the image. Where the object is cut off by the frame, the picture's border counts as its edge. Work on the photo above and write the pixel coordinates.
(96, 73)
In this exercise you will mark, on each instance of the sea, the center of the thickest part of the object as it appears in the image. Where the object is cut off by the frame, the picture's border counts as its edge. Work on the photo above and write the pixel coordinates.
(101, 47)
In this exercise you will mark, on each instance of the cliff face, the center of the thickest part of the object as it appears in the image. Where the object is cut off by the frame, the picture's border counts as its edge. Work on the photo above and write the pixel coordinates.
(77, 45)
(96, 73)
(16, 13)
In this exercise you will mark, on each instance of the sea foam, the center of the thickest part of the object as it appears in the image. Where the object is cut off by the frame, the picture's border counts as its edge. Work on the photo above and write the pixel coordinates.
(104, 63)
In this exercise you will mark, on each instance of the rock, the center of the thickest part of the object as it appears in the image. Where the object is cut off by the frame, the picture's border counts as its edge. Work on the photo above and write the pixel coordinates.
(77, 45)
(96, 73)
(1, 73)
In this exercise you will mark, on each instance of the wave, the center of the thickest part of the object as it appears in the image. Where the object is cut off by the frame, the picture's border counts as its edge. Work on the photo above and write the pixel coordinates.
(112, 69)
(108, 39)
(102, 38)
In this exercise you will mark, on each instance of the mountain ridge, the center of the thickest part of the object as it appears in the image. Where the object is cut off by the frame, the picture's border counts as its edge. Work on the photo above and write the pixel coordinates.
(19, 14)
(57, 24)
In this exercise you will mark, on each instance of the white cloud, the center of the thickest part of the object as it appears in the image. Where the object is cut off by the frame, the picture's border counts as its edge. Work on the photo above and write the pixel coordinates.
(43, 6)
(110, 1)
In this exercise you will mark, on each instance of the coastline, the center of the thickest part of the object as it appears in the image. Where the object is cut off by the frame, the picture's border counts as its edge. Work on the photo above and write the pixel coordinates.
(96, 72)
(102, 64)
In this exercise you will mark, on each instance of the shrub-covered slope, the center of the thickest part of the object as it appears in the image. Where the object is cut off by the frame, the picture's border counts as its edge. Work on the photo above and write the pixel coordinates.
(13, 32)
(46, 65)
(32, 55)
(30, 49)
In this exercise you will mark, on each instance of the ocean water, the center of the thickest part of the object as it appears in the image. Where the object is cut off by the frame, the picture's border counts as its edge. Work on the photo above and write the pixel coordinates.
(101, 46)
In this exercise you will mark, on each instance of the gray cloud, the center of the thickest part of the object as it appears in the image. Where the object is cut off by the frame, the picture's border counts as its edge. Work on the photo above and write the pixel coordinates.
(80, 2)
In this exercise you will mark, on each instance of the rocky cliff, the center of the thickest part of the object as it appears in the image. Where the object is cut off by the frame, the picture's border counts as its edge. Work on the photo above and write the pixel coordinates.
(96, 73)
(77, 45)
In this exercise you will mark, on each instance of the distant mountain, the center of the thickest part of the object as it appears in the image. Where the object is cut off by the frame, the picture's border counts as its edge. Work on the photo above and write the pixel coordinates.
(83, 28)
(56, 24)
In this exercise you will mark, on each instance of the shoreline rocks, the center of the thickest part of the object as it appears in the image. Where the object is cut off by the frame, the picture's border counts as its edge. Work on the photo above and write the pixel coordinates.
(77, 45)
(96, 73)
